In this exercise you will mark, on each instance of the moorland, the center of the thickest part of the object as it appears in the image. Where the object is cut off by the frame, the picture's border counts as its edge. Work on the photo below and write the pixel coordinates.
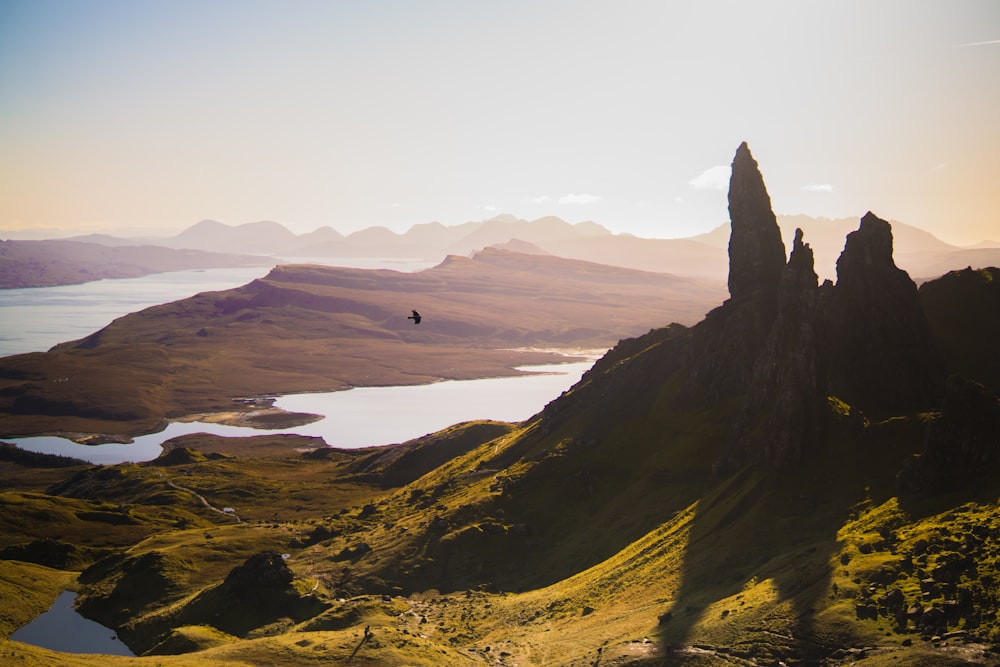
(805, 475)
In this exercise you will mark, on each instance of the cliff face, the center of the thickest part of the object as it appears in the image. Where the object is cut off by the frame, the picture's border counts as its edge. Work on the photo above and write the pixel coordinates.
(784, 398)
(880, 352)
(961, 442)
(730, 338)
(864, 341)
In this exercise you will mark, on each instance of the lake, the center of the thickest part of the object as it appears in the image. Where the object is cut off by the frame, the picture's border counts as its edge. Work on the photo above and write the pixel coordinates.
(35, 319)
(61, 628)
(363, 416)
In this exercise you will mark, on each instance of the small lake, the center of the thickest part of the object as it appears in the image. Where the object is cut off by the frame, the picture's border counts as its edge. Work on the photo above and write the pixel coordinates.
(61, 628)
(363, 416)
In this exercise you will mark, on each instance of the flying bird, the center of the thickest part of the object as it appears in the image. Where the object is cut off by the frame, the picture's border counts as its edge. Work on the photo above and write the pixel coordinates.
(415, 317)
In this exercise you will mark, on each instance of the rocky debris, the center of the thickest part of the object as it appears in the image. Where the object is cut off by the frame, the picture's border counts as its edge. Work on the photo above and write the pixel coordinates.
(756, 252)
(934, 585)
(880, 353)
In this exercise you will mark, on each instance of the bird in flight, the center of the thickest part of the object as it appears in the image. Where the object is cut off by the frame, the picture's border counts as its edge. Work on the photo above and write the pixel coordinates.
(415, 317)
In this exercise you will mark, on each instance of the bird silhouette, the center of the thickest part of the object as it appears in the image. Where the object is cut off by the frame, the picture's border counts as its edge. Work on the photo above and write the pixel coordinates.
(415, 317)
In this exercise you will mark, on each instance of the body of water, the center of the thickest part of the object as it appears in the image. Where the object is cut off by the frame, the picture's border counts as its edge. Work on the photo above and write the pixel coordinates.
(363, 416)
(33, 319)
(62, 628)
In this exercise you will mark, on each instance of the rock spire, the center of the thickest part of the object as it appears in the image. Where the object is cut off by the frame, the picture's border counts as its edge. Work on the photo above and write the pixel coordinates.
(882, 357)
(756, 252)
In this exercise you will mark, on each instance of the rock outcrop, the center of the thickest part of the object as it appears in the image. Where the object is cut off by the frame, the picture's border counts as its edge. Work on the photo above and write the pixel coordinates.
(881, 356)
(864, 340)
(960, 443)
(730, 338)
(756, 252)
(783, 401)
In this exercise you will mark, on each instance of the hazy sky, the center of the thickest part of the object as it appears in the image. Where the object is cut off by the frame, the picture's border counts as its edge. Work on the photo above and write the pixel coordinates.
(157, 114)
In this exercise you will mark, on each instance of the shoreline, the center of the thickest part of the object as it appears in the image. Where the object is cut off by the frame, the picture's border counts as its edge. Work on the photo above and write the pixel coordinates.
(365, 419)
(258, 412)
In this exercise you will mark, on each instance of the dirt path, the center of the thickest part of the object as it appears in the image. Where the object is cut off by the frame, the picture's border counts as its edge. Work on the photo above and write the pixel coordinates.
(232, 514)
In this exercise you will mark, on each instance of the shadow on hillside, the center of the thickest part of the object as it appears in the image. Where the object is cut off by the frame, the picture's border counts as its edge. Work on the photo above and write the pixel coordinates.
(757, 539)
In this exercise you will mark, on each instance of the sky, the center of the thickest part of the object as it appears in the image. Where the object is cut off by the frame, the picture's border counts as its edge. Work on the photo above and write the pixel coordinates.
(123, 116)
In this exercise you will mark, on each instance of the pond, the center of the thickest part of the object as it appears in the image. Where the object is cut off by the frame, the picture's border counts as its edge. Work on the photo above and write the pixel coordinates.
(62, 628)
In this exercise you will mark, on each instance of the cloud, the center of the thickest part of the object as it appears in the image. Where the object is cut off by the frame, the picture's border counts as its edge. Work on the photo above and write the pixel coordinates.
(578, 199)
(817, 187)
(713, 178)
(540, 199)
(986, 43)
(489, 209)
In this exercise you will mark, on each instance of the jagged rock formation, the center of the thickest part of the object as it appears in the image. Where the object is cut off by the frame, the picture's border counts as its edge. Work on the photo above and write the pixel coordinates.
(783, 402)
(732, 335)
(756, 252)
(864, 340)
(881, 355)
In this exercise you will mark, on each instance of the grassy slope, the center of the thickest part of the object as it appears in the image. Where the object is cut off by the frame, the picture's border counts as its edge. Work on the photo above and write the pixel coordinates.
(750, 564)
(707, 570)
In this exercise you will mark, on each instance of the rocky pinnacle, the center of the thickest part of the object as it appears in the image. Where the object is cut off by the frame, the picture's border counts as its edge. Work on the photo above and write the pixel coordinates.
(756, 252)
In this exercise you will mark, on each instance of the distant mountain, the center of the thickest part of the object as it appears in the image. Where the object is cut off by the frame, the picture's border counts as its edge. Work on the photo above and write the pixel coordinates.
(540, 231)
(57, 262)
(106, 239)
(434, 241)
(701, 256)
(253, 237)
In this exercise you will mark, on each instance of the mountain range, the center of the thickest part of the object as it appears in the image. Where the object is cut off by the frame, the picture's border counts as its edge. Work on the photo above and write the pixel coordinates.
(703, 256)
(806, 475)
